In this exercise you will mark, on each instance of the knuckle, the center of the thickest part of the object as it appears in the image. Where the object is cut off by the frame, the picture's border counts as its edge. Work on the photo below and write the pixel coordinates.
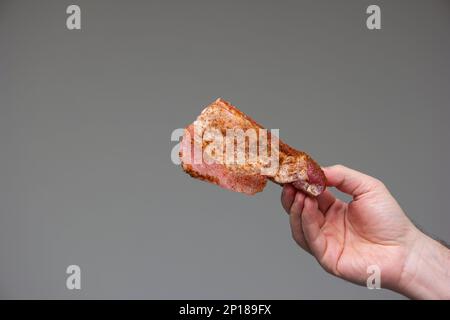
(378, 183)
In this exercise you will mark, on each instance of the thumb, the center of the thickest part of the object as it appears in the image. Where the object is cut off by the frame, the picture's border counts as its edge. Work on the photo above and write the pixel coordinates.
(350, 181)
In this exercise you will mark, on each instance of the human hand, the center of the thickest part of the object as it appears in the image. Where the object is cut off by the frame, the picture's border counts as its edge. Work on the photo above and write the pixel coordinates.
(372, 229)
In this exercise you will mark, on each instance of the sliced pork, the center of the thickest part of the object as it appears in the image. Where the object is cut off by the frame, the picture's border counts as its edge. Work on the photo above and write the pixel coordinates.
(205, 146)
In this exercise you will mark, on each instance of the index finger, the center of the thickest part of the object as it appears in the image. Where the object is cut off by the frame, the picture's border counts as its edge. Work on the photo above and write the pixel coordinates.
(287, 197)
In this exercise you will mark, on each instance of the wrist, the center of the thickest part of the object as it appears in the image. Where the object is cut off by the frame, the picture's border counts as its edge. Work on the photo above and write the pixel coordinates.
(426, 270)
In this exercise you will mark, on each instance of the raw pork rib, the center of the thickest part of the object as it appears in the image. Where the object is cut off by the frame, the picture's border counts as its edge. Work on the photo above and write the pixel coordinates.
(294, 166)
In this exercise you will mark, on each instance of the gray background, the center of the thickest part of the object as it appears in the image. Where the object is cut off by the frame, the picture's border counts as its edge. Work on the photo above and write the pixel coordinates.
(86, 118)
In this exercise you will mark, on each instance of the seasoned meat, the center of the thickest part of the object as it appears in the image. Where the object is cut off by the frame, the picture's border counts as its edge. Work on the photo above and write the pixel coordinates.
(281, 163)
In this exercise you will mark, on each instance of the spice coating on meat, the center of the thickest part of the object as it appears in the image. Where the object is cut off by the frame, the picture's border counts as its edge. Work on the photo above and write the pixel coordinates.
(292, 166)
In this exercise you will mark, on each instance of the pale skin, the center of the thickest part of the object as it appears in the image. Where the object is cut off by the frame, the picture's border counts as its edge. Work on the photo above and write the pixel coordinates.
(372, 229)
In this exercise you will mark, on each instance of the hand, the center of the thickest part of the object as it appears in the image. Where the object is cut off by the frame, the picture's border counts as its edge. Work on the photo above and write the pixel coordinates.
(372, 229)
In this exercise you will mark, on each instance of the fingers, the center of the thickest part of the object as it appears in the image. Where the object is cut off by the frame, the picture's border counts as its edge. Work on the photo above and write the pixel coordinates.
(325, 200)
(295, 220)
(287, 197)
(312, 222)
(350, 181)
(297, 204)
